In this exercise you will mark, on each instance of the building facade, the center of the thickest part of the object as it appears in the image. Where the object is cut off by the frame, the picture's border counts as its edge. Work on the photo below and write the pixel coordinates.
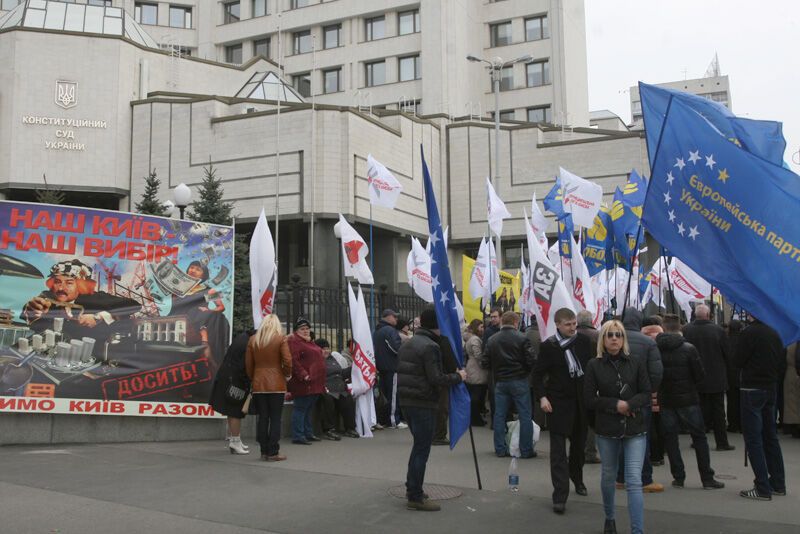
(713, 87)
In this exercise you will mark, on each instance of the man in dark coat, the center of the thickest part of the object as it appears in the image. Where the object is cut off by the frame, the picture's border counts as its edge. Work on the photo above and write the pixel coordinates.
(680, 403)
(510, 357)
(558, 387)
(387, 342)
(646, 350)
(449, 365)
(761, 359)
(712, 344)
(585, 327)
(734, 414)
(420, 377)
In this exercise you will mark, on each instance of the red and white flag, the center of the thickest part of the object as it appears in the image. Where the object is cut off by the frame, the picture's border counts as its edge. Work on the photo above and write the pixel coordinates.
(364, 370)
(581, 198)
(263, 270)
(497, 210)
(548, 292)
(384, 189)
(538, 222)
(687, 285)
(582, 290)
(484, 278)
(418, 269)
(354, 252)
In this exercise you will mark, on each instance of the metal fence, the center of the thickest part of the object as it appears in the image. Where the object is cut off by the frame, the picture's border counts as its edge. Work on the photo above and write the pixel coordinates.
(327, 309)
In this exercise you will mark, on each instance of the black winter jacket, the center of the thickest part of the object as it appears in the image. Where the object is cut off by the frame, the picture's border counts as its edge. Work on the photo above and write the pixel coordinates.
(419, 371)
(602, 385)
(336, 378)
(387, 342)
(683, 370)
(643, 347)
(760, 356)
(509, 354)
(711, 342)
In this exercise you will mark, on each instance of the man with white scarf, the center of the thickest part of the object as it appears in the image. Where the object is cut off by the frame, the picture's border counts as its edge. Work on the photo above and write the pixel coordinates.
(558, 387)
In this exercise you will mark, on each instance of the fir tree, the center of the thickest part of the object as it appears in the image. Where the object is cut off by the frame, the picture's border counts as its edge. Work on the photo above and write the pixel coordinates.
(150, 205)
(242, 308)
(210, 208)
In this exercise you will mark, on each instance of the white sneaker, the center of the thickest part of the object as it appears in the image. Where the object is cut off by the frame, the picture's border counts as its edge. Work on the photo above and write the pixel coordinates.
(228, 443)
(401, 426)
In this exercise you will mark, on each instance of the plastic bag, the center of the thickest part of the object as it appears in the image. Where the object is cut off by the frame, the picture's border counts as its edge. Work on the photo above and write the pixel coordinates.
(512, 437)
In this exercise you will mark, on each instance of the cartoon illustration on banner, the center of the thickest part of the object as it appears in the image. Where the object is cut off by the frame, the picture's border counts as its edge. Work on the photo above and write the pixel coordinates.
(506, 296)
(109, 306)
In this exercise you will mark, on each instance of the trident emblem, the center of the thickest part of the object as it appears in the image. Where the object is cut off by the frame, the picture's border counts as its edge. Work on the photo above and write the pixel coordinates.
(66, 94)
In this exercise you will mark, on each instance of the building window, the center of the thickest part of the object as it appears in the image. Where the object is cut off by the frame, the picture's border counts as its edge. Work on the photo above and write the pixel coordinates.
(102, 3)
(180, 17)
(376, 73)
(261, 47)
(145, 13)
(409, 68)
(302, 42)
(178, 51)
(300, 3)
(408, 22)
(507, 115)
(331, 35)
(536, 28)
(260, 8)
(506, 78)
(375, 28)
(539, 114)
(232, 13)
(302, 82)
(538, 73)
(233, 54)
(501, 34)
(332, 80)
(8, 5)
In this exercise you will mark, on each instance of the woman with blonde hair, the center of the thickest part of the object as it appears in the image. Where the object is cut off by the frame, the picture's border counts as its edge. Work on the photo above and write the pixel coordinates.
(616, 388)
(269, 366)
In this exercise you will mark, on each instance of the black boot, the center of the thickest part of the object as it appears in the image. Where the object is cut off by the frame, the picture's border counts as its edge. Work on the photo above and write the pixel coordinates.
(610, 527)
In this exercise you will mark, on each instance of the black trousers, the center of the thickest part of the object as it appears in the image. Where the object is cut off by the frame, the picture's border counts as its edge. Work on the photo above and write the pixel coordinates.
(564, 468)
(477, 398)
(713, 406)
(331, 408)
(734, 415)
(442, 412)
(268, 427)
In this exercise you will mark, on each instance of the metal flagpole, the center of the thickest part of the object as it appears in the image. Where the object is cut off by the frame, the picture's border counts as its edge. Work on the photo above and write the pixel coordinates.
(660, 289)
(281, 89)
(475, 457)
(669, 288)
(313, 158)
(372, 270)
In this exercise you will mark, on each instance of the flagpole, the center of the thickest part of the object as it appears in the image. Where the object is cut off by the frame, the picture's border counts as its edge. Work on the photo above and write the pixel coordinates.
(660, 289)
(372, 270)
(475, 457)
(713, 315)
(671, 295)
(278, 146)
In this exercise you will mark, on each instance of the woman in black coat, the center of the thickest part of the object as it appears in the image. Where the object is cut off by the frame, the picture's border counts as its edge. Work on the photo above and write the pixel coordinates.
(230, 390)
(616, 388)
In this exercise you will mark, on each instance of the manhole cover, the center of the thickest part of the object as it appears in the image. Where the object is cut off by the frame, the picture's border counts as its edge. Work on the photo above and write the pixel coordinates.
(435, 493)
(725, 477)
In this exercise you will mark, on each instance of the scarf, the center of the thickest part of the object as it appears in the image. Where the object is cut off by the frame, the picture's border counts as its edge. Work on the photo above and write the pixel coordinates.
(574, 365)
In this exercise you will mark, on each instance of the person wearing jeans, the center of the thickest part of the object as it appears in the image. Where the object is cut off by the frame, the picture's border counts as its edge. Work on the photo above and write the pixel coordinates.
(761, 359)
(510, 393)
(616, 388)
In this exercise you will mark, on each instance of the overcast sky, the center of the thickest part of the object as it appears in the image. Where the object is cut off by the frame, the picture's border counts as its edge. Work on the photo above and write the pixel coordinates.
(758, 44)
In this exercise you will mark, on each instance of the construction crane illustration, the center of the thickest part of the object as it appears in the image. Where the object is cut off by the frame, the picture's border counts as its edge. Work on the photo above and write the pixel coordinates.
(111, 276)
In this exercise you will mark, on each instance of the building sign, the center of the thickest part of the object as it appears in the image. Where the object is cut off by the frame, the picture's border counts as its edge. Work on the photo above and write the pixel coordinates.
(111, 313)
(66, 94)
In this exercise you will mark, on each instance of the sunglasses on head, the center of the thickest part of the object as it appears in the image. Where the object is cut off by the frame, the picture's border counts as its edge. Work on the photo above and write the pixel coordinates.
(614, 334)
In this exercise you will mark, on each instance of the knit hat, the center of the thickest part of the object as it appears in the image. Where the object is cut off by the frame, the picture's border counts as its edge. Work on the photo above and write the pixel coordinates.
(301, 322)
(427, 319)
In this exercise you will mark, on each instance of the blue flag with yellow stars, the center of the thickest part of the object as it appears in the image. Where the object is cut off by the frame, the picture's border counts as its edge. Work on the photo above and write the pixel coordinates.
(444, 299)
(762, 138)
(728, 214)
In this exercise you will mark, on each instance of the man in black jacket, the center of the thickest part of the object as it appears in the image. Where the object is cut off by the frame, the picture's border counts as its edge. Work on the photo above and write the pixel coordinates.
(558, 387)
(760, 356)
(680, 403)
(510, 356)
(419, 378)
(712, 344)
(646, 350)
(387, 342)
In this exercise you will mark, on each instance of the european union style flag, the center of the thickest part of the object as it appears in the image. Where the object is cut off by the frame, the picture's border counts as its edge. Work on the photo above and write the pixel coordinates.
(444, 299)
(554, 200)
(598, 243)
(727, 213)
(761, 138)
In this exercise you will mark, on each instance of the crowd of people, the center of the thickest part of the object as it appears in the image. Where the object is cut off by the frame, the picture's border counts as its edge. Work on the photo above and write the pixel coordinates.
(621, 395)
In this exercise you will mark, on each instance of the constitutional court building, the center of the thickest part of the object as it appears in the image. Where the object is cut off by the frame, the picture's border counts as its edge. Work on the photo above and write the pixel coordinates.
(91, 102)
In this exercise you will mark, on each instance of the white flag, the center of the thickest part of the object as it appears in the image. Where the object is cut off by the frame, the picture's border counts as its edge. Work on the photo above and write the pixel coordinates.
(656, 283)
(581, 198)
(687, 285)
(384, 189)
(496, 210)
(547, 288)
(524, 292)
(539, 222)
(364, 371)
(354, 252)
(600, 289)
(263, 271)
(418, 269)
(479, 277)
(582, 290)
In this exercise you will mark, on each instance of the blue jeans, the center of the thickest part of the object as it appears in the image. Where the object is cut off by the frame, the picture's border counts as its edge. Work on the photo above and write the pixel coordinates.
(610, 453)
(761, 440)
(647, 468)
(518, 391)
(692, 417)
(301, 417)
(421, 423)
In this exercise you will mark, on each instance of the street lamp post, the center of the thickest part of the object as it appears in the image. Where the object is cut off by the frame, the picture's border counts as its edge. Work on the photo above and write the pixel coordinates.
(182, 196)
(495, 67)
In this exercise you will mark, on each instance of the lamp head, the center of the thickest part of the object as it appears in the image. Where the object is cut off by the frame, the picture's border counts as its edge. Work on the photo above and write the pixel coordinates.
(472, 58)
(182, 195)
